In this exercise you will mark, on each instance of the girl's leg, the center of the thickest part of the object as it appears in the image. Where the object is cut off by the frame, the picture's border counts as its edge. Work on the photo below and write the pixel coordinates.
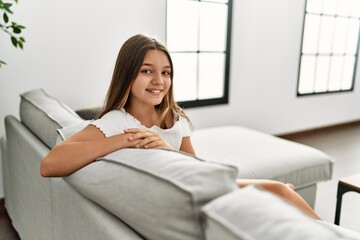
(285, 191)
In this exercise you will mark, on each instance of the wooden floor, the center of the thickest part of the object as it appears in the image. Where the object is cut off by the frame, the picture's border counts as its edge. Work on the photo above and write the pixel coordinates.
(7, 232)
(340, 142)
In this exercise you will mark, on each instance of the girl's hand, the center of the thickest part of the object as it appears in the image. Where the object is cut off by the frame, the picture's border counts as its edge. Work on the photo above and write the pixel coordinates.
(146, 139)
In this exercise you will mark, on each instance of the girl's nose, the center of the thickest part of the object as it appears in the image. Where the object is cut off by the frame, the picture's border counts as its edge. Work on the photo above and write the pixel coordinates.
(158, 79)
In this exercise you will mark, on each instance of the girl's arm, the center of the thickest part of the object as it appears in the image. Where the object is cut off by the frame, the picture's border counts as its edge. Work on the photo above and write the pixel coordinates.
(186, 146)
(148, 139)
(81, 149)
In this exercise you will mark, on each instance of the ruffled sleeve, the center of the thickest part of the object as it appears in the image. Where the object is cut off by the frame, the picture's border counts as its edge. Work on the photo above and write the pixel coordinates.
(112, 123)
(185, 127)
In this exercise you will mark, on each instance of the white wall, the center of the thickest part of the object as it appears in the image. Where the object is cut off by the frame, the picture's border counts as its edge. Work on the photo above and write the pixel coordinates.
(71, 47)
(266, 42)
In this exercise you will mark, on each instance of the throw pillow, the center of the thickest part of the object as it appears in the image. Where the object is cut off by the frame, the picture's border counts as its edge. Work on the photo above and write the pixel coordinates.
(44, 114)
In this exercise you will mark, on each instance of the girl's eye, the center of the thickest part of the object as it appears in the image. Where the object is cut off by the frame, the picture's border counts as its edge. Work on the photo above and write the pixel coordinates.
(146, 71)
(166, 73)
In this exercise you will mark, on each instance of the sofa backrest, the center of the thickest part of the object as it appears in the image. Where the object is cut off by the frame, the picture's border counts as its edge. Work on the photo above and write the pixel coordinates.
(159, 193)
(43, 115)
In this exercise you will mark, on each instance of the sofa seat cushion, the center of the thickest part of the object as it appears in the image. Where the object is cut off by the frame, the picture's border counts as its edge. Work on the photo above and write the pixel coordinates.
(43, 115)
(251, 213)
(260, 155)
(157, 192)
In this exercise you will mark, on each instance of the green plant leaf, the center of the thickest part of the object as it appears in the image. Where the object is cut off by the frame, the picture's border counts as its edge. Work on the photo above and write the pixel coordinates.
(8, 10)
(6, 18)
(2, 63)
(14, 41)
(15, 25)
(16, 30)
(7, 7)
(17, 41)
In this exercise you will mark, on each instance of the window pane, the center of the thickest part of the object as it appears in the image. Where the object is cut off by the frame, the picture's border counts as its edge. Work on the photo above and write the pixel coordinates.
(326, 34)
(348, 72)
(355, 8)
(341, 26)
(185, 75)
(213, 25)
(182, 30)
(307, 73)
(314, 6)
(322, 73)
(353, 35)
(344, 7)
(311, 32)
(211, 75)
(329, 7)
(335, 73)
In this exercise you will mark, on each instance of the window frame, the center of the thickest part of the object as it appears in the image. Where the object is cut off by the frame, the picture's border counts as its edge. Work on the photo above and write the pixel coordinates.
(226, 79)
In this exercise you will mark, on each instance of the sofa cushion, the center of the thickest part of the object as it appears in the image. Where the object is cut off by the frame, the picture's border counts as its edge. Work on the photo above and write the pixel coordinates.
(43, 115)
(349, 233)
(251, 213)
(89, 113)
(157, 192)
(261, 155)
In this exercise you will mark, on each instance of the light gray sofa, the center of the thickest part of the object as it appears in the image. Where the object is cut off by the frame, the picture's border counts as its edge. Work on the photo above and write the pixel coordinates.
(157, 194)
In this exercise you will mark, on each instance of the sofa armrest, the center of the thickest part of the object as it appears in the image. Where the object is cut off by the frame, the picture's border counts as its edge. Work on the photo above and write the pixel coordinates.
(3, 150)
(48, 208)
(76, 217)
(28, 195)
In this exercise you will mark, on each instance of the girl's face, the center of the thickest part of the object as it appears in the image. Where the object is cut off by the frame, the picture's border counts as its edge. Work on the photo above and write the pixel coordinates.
(153, 81)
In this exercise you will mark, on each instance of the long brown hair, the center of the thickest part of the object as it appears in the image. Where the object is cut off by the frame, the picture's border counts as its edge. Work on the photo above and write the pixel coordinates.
(127, 67)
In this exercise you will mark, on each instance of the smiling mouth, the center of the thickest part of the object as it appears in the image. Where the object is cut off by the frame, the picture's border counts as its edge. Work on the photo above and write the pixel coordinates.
(154, 91)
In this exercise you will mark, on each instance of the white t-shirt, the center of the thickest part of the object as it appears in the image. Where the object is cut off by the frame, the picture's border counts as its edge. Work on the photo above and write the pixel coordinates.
(116, 121)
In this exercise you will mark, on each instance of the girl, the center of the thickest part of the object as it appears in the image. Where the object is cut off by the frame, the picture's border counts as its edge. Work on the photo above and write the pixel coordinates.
(140, 112)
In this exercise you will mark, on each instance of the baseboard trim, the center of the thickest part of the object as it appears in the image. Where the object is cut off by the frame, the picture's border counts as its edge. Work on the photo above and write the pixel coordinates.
(314, 131)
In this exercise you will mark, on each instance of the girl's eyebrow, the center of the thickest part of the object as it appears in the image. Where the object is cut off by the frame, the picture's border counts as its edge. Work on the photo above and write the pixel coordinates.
(149, 64)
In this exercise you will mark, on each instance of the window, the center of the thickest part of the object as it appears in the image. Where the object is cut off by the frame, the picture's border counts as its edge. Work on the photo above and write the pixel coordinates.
(330, 46)
(198, 38)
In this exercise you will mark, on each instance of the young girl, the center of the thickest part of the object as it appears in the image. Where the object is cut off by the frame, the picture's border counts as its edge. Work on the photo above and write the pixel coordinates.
(140, 112)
